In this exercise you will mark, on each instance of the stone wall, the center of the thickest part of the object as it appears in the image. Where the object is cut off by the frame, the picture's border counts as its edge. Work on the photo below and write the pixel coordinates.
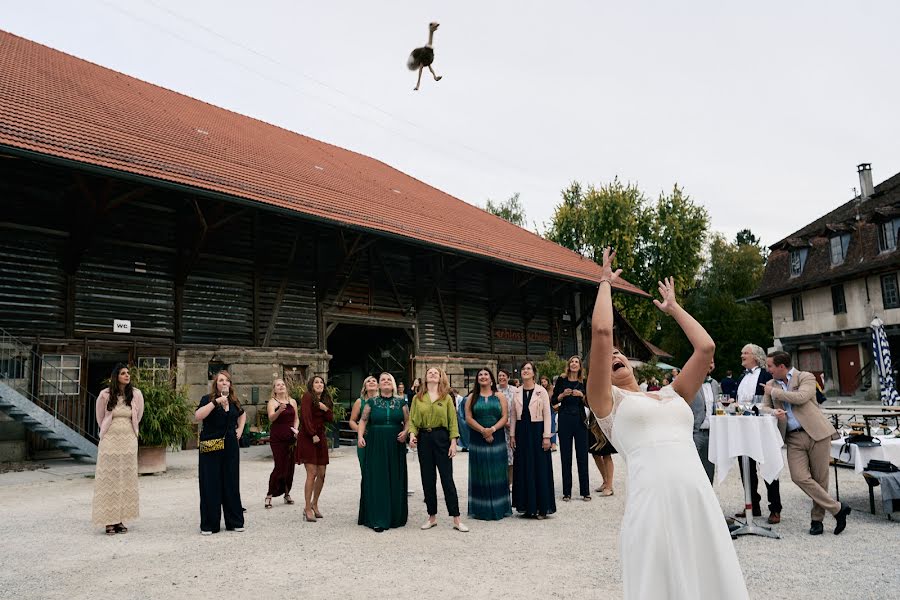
(252, 371)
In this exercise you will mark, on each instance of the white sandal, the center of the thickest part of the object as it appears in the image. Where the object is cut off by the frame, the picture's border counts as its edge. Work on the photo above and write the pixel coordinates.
(429, 525)
(461, 527)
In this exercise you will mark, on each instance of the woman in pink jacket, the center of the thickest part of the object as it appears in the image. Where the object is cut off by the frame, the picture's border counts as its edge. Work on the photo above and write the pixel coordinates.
(119, 411)
(530, 433)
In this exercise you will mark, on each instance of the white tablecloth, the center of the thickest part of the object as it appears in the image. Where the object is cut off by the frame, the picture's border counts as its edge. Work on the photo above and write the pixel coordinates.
(756, 437)
(860, 457)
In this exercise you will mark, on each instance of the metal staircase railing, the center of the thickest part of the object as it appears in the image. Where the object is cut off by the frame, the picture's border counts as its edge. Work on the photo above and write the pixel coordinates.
(44, 398)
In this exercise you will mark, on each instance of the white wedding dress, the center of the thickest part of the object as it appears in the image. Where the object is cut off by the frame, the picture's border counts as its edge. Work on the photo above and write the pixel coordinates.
(674, 543)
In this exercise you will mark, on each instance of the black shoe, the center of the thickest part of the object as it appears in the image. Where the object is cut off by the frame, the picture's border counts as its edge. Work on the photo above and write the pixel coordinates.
(841, 518)
(816, 528)
(378, 529)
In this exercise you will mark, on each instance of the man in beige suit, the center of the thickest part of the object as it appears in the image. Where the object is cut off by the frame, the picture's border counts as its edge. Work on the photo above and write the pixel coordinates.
(791, 397)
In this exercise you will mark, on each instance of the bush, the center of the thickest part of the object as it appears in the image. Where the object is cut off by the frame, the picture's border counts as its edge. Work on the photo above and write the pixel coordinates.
(167, 416)
(551, 366)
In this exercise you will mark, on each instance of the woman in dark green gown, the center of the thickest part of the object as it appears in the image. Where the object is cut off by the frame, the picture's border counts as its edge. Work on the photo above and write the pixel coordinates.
(382, 432)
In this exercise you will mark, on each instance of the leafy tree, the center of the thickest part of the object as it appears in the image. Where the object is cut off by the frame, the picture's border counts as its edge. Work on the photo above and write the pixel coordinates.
(552, 365)
(510, 209)
(652, 240)
(732, 273)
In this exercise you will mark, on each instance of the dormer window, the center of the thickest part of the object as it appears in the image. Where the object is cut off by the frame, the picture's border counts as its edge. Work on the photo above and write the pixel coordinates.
(887, 235)
(839, 244)
(798, 261)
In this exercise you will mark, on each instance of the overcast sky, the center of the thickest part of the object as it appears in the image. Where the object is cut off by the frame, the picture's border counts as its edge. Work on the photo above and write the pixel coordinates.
(761, 112)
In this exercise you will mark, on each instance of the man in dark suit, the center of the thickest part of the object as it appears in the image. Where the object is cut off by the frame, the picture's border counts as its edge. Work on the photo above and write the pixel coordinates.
(729, 385)
(753, 383)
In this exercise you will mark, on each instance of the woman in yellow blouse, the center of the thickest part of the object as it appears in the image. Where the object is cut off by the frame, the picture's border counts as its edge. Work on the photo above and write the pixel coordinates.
(434, 430)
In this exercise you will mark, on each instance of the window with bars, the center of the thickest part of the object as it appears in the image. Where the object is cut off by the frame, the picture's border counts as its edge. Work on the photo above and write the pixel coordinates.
(838, 302)
(60, 374)
(155, 368)
(889, 294)
(797, 307)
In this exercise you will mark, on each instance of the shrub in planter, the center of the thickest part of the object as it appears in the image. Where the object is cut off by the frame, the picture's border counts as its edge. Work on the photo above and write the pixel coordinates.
(167, 417)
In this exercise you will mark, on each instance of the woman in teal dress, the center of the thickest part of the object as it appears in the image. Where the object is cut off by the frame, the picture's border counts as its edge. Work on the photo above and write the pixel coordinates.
(486, 414)
(382, 432)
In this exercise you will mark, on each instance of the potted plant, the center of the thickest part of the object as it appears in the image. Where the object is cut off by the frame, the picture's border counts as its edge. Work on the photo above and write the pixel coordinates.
(166, 421)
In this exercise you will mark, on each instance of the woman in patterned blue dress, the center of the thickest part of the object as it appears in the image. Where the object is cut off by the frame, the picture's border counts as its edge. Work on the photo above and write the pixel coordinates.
(486, 415)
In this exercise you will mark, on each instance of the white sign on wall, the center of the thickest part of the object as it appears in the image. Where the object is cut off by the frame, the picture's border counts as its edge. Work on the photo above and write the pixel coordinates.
(121, 326)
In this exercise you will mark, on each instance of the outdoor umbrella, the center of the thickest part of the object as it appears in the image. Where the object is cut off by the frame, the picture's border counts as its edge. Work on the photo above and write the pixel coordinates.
(881, 353)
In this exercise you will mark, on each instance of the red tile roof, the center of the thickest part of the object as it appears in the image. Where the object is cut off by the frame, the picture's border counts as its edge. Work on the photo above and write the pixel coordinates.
(55, 104)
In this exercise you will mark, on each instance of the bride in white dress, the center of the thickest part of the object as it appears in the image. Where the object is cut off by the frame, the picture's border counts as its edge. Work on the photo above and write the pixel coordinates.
(674, 543)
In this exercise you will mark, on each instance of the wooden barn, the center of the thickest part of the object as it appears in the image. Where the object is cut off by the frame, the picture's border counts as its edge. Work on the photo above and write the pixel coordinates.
(143, 226)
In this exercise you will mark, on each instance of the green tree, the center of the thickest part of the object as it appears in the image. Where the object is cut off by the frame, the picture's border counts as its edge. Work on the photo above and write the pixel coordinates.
(510, 209)
(652, 240)
(732, 273)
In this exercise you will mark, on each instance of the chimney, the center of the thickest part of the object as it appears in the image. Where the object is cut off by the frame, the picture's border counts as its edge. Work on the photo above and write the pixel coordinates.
(865, 180)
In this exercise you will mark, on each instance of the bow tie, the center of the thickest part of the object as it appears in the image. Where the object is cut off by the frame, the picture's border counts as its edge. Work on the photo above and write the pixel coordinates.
(747, 371)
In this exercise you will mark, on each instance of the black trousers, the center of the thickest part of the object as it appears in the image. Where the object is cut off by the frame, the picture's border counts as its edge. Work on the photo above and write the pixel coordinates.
(220, 488)
(773, 491)
(701, 440)
(571, 429)
(434, 449)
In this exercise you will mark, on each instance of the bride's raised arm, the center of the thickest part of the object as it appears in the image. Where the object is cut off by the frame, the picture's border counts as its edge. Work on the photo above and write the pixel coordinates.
(600, 374)
(694, 372)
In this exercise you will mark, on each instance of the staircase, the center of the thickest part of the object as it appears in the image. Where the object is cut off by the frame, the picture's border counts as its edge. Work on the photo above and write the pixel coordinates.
(40, 412)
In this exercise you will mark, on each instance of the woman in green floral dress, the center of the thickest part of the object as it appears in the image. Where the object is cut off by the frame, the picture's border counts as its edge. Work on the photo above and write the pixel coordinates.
(382, 432)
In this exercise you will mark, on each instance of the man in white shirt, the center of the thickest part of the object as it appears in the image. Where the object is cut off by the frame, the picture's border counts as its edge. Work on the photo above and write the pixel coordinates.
(753, 384)
(703, 406)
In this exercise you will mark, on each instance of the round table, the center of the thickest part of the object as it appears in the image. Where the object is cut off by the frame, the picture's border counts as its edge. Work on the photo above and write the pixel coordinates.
(756, 437)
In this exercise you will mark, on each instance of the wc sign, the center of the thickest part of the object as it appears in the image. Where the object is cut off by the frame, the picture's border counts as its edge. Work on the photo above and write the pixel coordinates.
(121, 326)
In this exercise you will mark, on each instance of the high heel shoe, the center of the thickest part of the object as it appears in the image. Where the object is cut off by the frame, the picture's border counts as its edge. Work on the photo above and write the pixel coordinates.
(288, 499)
(307, 518)
(268, 502)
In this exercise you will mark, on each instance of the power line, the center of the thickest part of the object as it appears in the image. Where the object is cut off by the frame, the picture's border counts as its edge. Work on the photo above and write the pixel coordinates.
(304, 93)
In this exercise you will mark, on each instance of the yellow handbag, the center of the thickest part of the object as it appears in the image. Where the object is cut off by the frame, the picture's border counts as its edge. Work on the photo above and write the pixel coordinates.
(213, 445)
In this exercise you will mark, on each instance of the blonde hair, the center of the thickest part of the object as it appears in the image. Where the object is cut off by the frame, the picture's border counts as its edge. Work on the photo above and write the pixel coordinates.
(362, 392)
(443, 385)
(287, 393)
(393, 383)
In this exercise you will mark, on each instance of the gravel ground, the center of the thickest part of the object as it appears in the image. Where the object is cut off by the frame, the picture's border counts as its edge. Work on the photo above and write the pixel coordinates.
(50, 549)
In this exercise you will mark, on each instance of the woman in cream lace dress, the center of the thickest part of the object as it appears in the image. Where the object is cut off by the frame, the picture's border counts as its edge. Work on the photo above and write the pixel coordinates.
(673, 543)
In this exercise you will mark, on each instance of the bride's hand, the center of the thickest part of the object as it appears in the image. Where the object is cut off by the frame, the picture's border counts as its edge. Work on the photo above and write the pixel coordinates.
(606, 270)
(667, 292)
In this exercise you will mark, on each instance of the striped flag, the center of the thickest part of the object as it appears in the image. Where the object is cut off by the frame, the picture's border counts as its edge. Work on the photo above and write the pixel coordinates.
(881, 354)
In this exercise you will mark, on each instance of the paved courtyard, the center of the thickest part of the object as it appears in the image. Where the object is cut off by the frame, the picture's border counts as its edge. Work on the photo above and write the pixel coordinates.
(51, 550)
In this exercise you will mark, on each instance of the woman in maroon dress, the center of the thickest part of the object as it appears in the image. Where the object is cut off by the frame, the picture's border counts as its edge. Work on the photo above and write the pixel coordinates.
(284, 420)
(312, 444)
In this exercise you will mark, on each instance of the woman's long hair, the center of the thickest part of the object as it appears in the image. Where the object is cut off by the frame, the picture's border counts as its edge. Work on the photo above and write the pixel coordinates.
(443, 384)
(476, 390)
(287, 392)
(580, 375)
(325, 397)
(114, 388)
(214, 389)
(362, 392)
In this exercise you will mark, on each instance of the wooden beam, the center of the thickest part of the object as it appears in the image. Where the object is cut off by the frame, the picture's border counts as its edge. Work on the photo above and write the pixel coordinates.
(390, 278)
(330, 329)
(450, 340)
(347, 279)
(282, 287)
